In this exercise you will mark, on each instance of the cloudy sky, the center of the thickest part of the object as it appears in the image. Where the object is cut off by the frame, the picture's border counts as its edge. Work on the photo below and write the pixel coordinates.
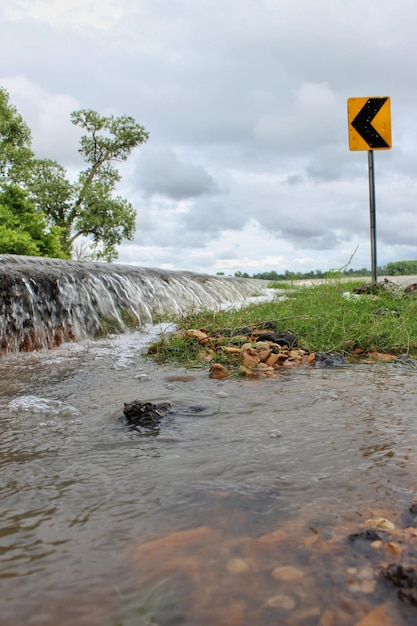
(248, 164)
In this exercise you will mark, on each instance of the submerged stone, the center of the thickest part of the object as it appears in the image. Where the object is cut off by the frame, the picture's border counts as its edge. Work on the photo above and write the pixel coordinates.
(329, 359)
(407, 361)
(364, 535)
(146, 417)
(139, 415)
(405, 578)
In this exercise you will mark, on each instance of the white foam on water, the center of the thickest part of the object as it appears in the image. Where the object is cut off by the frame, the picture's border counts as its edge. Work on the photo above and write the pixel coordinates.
(42, 406)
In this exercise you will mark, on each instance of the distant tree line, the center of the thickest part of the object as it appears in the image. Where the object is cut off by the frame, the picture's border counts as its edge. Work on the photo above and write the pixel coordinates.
(396, 268)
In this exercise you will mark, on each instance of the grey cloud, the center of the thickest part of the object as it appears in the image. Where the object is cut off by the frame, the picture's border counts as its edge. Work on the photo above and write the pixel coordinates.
(160, 171)
(246, 109)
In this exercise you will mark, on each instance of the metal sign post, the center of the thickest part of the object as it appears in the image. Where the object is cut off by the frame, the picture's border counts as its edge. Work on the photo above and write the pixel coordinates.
(371, 174)
(369, 125)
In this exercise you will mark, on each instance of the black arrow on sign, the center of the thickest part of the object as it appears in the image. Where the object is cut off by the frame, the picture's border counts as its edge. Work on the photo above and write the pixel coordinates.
(362, 123)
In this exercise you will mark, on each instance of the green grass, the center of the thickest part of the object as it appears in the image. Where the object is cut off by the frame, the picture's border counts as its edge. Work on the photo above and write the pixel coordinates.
(279, 284)
(322, 316)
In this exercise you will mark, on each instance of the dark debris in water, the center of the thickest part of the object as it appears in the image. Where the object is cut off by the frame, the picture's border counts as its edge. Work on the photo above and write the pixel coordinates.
(407, 361)
(364, 535)
(329, 359)
(146, 417)
(405, 579)
(285, 338)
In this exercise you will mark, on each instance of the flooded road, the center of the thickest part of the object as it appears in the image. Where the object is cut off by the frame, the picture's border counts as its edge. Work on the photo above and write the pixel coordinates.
(240, 514)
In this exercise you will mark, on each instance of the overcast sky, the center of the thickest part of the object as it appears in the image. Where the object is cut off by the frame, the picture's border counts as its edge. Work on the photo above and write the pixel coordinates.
(248, 164)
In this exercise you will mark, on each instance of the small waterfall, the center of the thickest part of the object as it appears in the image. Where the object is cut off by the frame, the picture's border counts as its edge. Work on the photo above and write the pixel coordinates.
(45, 302)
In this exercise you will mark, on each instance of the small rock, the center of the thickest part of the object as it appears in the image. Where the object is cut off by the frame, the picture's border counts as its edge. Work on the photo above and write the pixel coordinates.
(366, 573)
(380, 523)
(393, 548)
(306, 614)
(281, 602)
(277, 536)
(328, 359)
(218, 371)
(261, 345)
(272, 359)
(287, 573)
(198, 334)
(264, 355)
(249, 358)
(368, 586)
(379, 616)
(237, 566)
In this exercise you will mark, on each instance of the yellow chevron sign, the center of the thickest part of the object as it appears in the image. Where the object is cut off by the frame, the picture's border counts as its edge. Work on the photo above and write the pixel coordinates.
(369, 123)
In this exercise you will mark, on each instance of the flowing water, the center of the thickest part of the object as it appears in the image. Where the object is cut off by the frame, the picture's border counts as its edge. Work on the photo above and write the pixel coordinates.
(258, 503)
(269, 474)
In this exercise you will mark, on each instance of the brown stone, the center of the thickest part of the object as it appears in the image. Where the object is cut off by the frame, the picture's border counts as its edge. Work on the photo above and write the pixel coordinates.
(380, 523)
(231, 350)
(275, 537)
(264, 354)
(311, 358)
(328, 618)
(272, 359)
(218, 371)
(379, 616)
(246, 371)
(381, 356)
(198, 334)
(206, 356)
(393, 549)
(166, 546)
(249, 358)
(281, 602)
(310, 541)
(287, 573)
(270, 373)
(261, 345)
(237, 566)
(296, 355)
(305, 614)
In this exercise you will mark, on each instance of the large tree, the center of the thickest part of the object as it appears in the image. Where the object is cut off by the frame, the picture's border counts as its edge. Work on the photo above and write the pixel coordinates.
(15, 141)
(23, 230)
(87, 207)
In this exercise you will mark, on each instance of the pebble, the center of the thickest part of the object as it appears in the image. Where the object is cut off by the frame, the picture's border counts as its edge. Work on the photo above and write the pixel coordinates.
(275, 433)
(237, 566)
(366, 573)
(222, 394)
(380, 523)
(218, 371)
(393, 548)
(287, 573)
(141, 376)
(281, 602)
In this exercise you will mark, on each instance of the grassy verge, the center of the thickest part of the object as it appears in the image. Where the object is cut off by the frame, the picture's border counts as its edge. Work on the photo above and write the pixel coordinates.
(328, 317)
